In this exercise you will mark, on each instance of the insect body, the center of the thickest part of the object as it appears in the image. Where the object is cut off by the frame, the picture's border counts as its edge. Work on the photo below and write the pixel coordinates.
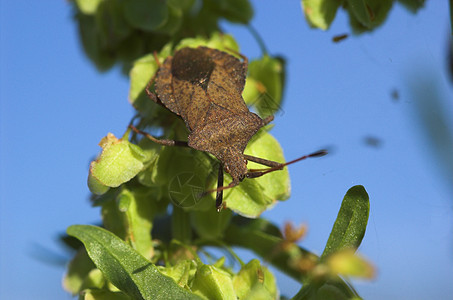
(204, 86)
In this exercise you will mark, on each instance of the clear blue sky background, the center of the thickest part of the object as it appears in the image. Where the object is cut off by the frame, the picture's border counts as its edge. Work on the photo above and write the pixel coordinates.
(55, 107)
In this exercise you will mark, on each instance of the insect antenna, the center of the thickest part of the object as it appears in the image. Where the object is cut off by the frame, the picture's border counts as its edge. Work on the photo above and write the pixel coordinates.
(253, 173)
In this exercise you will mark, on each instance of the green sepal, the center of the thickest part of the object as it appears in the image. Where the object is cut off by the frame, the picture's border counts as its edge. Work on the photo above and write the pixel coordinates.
(118, 163)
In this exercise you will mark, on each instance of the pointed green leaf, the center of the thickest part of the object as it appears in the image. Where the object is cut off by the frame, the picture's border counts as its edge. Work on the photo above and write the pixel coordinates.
(350, 225)
(320, 13)
(126, 268)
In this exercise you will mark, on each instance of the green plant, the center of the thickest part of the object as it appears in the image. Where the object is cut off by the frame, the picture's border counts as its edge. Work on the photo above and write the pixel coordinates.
(157, 235)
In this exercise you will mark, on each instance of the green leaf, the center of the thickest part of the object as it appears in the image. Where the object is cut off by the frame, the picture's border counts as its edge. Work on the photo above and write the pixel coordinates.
(213, 283)
(347, 263)
(88, 7)
(413, 5)
(223, 42)
(119, 161)
(141, 73)
(254, 281)
(77, 271)
(124, 267)
(139, 214)
(103, 295)
(358, 9)
(174, 20)
(181, 272)
(94, 280)
(264, 85)
(185, 174)
(330, 290)
(111, 25)
(237, 11)
(180, 225)
(320, 13)
(265, 239)
(247, 199)
(146, 14)
(210, 224)
(368, 13)
(129, 215)
(89, 35)
(254, 196)
(95, 186)
(275, 185)
(350, 225)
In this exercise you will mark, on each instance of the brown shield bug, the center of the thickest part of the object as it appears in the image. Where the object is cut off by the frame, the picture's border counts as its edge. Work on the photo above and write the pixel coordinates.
(204, 87)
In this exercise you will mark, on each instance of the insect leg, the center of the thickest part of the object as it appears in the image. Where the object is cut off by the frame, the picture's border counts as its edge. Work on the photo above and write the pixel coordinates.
(267, 120)
(158, 141)
(263, 161)
(219, 196)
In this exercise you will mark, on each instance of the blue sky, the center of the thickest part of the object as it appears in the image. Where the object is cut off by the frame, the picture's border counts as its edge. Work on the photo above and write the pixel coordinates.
(55, 108)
